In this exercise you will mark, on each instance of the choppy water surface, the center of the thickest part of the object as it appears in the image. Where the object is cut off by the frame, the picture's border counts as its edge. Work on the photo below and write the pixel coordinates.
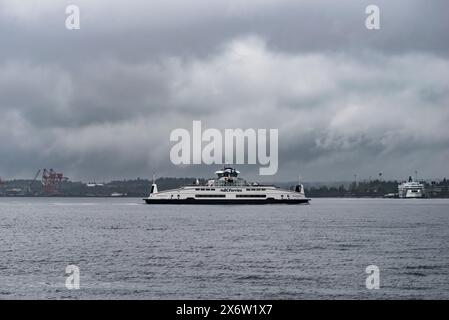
(128, 250)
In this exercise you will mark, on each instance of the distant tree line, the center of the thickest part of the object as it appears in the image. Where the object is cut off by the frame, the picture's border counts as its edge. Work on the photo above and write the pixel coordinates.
(373, 188)
(376, 188)
(141, 188)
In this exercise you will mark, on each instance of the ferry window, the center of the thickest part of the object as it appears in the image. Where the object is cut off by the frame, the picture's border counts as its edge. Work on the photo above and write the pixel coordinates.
(251, 195)
(210, 196)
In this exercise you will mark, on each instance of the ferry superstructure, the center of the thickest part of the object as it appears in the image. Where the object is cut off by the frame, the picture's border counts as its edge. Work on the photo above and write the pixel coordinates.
(227, 188)
(411, 189)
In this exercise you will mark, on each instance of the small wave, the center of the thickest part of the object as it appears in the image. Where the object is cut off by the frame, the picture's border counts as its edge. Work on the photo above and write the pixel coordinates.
(349, 245)
(251, 277)
(424, 267)
(156, 229)
(417, 274)
(114, 228)
(74, 204)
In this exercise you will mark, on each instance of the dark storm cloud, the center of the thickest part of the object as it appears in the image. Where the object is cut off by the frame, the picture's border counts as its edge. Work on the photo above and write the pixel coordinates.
(100, 102)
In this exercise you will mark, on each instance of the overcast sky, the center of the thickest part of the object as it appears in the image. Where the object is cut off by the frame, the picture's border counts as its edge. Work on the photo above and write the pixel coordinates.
(99, 103)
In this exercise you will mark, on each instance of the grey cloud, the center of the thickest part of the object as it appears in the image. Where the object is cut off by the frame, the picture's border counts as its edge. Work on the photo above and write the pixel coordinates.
(137, 29)
(101, 102)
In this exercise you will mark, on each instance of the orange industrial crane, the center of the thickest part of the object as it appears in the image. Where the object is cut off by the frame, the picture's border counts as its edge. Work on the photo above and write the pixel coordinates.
(51, 180)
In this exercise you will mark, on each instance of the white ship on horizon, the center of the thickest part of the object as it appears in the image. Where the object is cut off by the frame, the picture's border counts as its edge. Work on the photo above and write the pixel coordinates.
(227, 188)
(411, 189)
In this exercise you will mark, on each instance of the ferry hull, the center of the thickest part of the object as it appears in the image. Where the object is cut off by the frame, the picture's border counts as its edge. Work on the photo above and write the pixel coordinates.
(229, 201)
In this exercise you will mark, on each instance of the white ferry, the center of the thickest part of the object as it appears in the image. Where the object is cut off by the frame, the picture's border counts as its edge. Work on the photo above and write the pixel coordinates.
(227, 188)
(411, 189)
